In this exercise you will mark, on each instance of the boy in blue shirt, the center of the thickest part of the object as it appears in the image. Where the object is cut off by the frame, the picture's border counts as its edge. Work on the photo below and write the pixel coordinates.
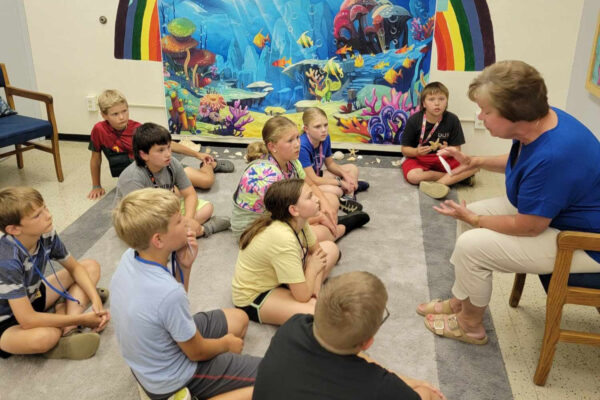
(315, 152)
(167, 347)
(27, 245)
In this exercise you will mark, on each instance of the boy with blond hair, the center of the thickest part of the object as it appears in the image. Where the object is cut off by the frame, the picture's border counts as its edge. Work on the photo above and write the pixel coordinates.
(113, 136)
(320, 357)
(27, 246)
(167, 347)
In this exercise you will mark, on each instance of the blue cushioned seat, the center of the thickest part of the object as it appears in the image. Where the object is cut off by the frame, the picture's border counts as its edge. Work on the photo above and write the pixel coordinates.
(19, 130)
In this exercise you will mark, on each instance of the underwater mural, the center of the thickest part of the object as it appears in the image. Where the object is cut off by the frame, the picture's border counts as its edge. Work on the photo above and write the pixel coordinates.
(229, 65)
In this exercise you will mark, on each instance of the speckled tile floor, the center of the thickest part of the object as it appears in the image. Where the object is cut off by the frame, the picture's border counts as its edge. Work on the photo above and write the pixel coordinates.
(575, 372)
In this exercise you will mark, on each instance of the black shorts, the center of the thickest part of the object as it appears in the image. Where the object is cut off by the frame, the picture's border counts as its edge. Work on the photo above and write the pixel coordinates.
(253, 308)
(39, 305)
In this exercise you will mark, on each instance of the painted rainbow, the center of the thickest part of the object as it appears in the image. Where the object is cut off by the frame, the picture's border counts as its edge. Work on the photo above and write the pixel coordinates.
(136, 31)
(464, 36)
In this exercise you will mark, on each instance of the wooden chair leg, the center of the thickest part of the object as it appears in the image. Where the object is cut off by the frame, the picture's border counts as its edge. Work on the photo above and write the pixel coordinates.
(551, 336)
(19, 155)
(57, 163)
(517, 290)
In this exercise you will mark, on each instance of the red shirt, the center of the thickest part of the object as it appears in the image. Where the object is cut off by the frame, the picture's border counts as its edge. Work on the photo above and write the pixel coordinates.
(107, 139)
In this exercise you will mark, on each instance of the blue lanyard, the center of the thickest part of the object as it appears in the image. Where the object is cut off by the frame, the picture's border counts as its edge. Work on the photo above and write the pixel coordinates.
(62, 293)
(173, 262)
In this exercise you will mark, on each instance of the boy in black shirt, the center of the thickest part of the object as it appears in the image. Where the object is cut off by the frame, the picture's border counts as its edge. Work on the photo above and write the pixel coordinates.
(427, 131)
(320, 357)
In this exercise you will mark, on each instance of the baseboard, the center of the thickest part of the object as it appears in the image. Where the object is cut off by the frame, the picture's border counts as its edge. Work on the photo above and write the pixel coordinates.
(242, 145)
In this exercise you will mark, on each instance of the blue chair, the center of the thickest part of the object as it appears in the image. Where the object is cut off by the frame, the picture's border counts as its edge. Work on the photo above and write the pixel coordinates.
(19, 130)
(563, 288)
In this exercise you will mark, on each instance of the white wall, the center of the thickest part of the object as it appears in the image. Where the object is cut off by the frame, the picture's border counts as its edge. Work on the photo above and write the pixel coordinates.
(73, 58)
(581, 103)
(15, 52)
(540, 32)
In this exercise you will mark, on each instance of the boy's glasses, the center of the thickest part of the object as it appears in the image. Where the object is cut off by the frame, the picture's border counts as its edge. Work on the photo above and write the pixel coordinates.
(386, 316)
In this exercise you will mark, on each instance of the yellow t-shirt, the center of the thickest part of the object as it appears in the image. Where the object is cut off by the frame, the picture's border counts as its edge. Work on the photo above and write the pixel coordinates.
(272, 258)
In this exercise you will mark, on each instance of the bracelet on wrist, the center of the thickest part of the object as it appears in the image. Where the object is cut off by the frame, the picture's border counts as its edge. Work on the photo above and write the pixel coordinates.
(477, 223)
(97, 187)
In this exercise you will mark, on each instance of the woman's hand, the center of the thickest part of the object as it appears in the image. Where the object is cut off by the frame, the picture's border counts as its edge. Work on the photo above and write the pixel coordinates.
(457, 211)
(187, 254)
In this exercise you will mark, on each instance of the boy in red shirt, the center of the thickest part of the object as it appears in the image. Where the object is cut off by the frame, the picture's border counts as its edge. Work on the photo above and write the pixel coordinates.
(113, 136)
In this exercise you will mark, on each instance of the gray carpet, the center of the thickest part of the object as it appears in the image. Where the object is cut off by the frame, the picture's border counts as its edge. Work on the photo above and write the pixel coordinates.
(406, 244)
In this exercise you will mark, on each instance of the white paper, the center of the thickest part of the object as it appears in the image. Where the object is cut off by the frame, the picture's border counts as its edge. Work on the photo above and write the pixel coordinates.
(445, 164)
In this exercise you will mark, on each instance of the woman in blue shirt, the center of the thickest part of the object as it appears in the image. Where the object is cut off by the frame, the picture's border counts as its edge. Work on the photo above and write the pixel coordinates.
(552, 184)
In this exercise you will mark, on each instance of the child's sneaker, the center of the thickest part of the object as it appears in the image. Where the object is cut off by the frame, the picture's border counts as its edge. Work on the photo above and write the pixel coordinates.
(349, 205)
(182, 394)
(76, 345)
(434, 189)
(216, 224)
(362, 186)
(354, 220)
(470, 181)
(224, 166)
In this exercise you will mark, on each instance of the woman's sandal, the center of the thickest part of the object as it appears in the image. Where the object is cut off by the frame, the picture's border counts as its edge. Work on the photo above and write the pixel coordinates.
(430, 307)
(451, 329)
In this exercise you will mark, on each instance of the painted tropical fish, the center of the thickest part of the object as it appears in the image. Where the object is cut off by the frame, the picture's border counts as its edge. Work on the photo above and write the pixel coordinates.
(344, 50)
(281, 62)
(332, 68)
(408, 62)
(260, 39)
(305, 40)
(359, 61)
(381, 65)
(405, 49)
(392, 76)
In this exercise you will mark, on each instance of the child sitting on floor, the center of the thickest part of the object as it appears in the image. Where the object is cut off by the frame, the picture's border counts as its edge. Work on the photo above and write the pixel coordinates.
(155, 167)
(280, 267)
(113, 136)
(167, 347)
(30, 243)
(321, 357)
(315, 152)
(427, 131)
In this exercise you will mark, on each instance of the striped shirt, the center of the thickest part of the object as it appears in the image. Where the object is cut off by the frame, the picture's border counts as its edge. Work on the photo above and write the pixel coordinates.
(18, 277)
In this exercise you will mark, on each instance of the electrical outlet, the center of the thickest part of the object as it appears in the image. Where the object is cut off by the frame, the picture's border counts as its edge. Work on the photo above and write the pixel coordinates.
(478, 123)
(91, 102)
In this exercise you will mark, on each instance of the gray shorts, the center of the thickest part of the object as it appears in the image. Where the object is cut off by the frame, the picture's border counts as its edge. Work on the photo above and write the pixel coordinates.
(223, 373)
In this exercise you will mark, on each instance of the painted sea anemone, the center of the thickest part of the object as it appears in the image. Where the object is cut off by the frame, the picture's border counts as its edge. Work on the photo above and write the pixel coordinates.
(214, 101)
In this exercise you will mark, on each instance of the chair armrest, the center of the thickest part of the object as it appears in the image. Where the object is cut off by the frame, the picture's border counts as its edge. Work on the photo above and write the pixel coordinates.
(579, 240)
(14, 91)
(568, 242)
